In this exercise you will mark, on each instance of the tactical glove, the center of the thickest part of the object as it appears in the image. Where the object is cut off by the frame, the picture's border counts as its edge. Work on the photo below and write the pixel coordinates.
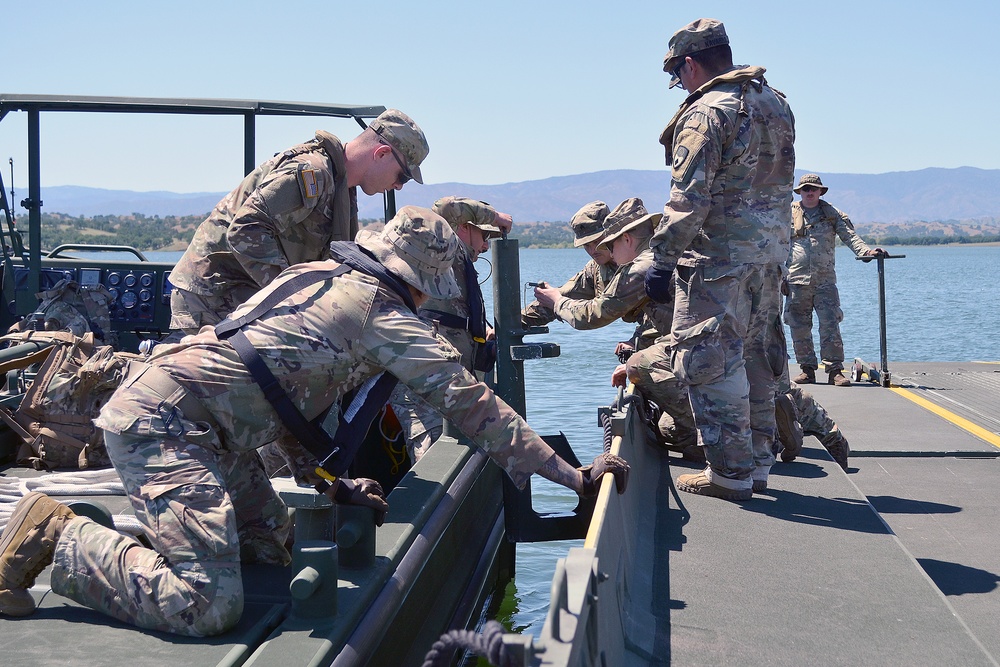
(604, 463)
(361, 491)
(657, 284)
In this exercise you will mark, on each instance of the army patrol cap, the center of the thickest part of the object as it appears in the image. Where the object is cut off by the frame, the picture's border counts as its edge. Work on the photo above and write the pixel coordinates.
(813, 180)
(588, 223)
(628, 215)
(458, 210)
(696, 36)
(400, 132)
(419, 246)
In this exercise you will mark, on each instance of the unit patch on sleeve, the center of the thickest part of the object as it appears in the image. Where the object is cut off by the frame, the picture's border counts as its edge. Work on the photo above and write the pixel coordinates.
(309, 187)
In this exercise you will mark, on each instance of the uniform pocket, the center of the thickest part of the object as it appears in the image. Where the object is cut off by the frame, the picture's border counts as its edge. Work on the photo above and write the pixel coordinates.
(191, 515)
(698, 357)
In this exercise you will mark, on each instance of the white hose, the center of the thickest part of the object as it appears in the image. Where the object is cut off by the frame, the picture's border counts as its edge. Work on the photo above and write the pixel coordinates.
(102, 482)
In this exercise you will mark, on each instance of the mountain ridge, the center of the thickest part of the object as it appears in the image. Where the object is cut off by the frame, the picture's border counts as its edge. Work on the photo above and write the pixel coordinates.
(933, 194)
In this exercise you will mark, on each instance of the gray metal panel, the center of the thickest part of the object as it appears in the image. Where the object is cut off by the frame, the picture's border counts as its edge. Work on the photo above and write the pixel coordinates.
(86, 103)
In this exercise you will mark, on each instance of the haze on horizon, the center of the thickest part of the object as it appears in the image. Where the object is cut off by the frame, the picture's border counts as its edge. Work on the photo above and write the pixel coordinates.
(510, 93)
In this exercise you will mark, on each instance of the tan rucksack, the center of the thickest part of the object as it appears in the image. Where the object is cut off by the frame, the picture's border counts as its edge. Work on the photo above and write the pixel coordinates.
(55, 415)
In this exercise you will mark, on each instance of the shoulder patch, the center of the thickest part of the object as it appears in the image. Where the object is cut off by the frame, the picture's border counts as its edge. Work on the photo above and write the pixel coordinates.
(687, 151)
(309, 187)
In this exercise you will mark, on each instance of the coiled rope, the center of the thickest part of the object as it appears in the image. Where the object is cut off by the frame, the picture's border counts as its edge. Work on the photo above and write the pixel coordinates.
(488, 644)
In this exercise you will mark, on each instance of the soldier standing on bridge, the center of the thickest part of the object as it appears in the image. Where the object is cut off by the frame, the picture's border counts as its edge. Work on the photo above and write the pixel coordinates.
(812, 280)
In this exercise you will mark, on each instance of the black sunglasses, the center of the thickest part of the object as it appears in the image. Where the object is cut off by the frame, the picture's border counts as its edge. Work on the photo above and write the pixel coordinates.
(677, 70)
(404, 176)
(808, 188)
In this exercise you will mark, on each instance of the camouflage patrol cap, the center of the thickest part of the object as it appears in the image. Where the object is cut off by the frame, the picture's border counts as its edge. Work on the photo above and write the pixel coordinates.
(813, 180)
(628, 215)
(457, 210)
(418, 246)
(696, 36)
(588, 223)
(405, 136)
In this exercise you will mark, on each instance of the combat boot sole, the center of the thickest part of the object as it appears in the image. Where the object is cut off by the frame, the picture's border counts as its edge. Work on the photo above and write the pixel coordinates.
(26, 548)
(699, 483)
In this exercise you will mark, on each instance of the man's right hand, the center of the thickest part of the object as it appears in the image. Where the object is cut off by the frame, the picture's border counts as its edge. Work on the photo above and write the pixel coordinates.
(657, 284)
(360, 491)
(602, 465)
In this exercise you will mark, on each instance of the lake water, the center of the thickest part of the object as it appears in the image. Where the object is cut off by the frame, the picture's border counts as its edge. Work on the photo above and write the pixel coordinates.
(943, 303)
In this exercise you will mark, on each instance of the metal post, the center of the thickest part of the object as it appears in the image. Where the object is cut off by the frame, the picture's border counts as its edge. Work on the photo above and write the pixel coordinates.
(249, 143)
(881, 315)
(507, 308)
(34, 202)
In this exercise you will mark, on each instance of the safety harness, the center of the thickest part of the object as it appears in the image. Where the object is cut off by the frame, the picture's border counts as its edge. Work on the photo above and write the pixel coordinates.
(482, 358)
(333, 453)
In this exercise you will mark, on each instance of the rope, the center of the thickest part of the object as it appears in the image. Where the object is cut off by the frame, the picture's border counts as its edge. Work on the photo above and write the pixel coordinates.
(101, 482)
(488, 644)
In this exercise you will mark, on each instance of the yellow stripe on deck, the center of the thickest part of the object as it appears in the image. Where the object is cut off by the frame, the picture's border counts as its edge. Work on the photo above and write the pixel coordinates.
(947, 415)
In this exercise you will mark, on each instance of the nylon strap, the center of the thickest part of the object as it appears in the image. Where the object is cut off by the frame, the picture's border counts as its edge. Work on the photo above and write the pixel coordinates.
(334, 454)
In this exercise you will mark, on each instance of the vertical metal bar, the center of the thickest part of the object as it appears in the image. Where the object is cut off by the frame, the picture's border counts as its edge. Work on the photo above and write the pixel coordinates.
(507, 310)
(881, 314)
(390, 204)
(35, 199)
(249, 142)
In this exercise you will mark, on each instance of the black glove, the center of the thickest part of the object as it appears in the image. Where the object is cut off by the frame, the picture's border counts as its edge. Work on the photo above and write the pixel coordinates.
(361, 491)
(604, 463)
(657, 284)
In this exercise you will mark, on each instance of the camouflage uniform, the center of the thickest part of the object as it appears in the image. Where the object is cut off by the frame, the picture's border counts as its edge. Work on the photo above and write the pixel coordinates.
(177, 450)
(285, 212)
(726, 230)
(812, 282)
(422, 424)
(588, 226)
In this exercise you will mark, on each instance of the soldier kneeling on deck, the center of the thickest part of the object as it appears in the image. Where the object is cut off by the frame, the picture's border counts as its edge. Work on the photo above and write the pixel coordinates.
(183, 428)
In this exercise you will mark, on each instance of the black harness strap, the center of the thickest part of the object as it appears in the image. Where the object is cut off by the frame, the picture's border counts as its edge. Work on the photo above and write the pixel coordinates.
(334, 454)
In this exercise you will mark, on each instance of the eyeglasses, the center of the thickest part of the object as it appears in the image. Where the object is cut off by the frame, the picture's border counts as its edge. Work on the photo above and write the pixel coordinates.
(404, 172)
(677, 70)
(808, 188)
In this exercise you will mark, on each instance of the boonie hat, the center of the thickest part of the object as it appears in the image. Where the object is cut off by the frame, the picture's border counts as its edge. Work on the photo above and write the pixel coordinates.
(405, 136)
(628, 215)
(418, 246)
(588, 223)
(813, 180)
(479, 214)
(696, 36)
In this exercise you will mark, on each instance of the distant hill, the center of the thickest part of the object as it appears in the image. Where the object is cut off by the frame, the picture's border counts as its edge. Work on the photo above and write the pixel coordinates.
(930, 195)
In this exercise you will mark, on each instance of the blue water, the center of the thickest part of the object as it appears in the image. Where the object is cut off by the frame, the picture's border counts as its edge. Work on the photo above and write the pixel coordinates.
(943, 303)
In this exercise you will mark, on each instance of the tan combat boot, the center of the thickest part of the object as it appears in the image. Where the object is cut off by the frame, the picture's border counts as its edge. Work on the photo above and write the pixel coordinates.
(807, 376)
(789, 430)
(26, 548)
(838, 379)
(700, 484)
(836, 444)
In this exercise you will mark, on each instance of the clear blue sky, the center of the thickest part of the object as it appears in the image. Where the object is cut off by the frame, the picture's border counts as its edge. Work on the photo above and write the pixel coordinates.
(505, 92)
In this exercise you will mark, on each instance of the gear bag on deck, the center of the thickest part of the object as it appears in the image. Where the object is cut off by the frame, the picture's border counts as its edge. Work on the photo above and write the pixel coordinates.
(55, 416)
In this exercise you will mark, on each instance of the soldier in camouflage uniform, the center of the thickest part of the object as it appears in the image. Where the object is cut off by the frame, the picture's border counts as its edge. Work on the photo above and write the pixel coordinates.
(474, 223)
(179, 426)
(726, 231)
(286, 212)
(812, 280)
(587, 225)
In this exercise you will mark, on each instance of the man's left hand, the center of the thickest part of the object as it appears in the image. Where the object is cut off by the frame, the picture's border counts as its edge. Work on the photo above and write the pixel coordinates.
(504, 221)
(360, 491)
